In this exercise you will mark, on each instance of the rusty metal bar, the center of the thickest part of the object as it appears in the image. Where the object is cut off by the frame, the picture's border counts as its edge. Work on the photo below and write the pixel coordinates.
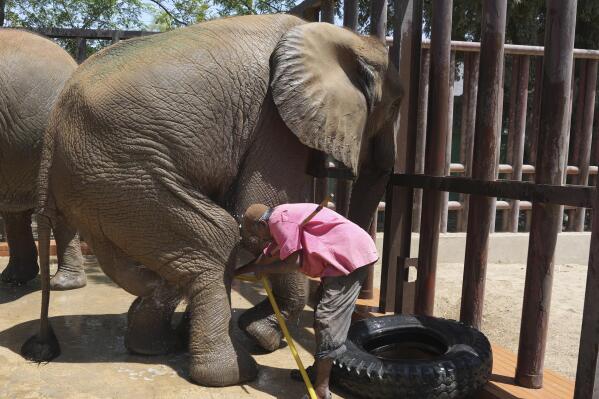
(519, 127)
(425, 63)
(445, 209)
(557, 79)
(582, 146)
(587, 372)
(436, 135)
(525, 191)
(484, 165)
(405, 54)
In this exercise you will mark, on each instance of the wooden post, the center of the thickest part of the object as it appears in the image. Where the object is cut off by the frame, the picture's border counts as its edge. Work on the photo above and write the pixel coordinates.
(484, 166)
(2, 12)
(343, 190)
(378, 27)
(546, 223)
(468, 120)
(581, 150)
(350, 14)
(445, 194)
(436, 137)
(511, 129)
(81, 49)
(535, 120)
(587, 372)
(519, 126)
(116, 36)
(536, 109)
(378, 19)
(405, 55)
(367, 291)
(327, 11)
(425, 63)
(321, 184)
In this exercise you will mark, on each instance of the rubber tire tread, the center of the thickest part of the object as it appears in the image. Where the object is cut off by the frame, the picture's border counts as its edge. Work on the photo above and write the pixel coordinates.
(460, 372)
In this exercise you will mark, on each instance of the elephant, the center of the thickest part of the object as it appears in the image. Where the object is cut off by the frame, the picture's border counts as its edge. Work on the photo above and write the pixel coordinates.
(33, 70)
(157, 145)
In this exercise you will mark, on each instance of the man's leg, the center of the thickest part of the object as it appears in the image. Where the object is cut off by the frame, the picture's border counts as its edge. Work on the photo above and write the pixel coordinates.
(332, 318)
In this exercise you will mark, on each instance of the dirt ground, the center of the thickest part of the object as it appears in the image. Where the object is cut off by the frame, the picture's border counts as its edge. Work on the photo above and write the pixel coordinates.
(503, 308)
(90, 324)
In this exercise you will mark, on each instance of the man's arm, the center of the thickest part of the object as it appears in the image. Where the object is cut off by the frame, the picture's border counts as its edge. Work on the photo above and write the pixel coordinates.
(292, 263)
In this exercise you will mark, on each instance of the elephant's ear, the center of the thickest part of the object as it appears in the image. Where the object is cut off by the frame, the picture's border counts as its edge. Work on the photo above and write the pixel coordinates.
(325, 82)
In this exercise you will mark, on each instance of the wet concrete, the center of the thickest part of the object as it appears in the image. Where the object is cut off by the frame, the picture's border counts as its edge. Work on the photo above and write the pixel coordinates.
(90, 324)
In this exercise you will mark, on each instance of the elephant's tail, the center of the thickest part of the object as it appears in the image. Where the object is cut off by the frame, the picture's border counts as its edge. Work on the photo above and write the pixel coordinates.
(45, 203)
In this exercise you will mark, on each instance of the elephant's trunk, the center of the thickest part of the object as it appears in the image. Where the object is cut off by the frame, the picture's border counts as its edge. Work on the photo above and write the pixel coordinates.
(372, 180)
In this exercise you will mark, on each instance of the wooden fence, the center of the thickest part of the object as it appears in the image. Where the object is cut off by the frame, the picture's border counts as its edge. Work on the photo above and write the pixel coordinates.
(538, 139)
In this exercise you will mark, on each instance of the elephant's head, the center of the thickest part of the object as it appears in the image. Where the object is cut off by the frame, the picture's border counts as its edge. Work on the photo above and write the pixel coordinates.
(338, 93)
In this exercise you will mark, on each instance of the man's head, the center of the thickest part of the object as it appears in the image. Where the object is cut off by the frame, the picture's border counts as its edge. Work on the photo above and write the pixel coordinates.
(254, 228)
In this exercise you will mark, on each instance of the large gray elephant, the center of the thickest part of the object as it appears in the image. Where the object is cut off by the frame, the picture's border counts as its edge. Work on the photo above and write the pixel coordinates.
(33, 70)
(156, 142)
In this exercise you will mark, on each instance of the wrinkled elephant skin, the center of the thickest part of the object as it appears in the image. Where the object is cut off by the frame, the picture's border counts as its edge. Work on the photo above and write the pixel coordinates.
(33, 70)
(156, 142)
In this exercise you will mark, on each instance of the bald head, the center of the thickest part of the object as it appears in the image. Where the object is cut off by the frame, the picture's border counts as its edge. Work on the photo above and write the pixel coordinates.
(254, 228)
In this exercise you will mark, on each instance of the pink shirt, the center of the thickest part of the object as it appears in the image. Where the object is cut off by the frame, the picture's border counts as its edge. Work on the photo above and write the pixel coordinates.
(331, 245)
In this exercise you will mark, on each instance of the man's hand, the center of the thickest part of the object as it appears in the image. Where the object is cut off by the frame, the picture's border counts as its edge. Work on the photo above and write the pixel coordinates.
(247, 268)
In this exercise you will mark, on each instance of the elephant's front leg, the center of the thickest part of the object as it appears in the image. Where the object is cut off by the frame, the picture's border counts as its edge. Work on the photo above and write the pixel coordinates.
(216, 359)
(22, 266)
(260, 322)
(70, 274)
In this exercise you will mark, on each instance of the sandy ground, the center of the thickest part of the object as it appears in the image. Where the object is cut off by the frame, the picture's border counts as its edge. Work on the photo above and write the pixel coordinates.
(90, 324)
(503, 308)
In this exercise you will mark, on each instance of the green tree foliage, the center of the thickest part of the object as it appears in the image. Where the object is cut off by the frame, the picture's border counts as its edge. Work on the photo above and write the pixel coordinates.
(247, 7)
(525, 22)
(175, 13)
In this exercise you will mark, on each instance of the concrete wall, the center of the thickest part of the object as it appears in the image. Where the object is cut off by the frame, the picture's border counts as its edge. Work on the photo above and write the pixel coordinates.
(572, 247)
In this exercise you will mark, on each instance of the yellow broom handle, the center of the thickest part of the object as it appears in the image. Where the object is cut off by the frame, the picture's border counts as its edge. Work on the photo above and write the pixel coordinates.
(283, 325)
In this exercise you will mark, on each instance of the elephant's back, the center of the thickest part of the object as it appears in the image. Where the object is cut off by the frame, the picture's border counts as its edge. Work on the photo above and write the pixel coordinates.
(33, 70)
(190, 97)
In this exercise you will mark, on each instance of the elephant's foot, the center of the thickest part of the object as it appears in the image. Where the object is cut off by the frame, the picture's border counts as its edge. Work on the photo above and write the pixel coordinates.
(265, 331)
(65, 280)
(223, 367)
(20, 272)
(149, 330)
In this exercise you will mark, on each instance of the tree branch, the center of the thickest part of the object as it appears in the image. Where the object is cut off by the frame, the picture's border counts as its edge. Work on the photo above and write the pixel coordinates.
(178, 21)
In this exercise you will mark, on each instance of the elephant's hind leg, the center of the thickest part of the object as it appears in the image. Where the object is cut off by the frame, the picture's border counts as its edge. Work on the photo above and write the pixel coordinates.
(70, 274)
(149, 330)
(190, 243)
(22, 266)
(260, 322)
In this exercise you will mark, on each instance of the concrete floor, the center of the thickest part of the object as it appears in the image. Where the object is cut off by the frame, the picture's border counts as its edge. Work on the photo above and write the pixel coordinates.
(90, 324)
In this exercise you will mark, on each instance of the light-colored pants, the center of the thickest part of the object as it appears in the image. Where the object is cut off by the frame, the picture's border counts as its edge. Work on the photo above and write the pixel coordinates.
(332, 317)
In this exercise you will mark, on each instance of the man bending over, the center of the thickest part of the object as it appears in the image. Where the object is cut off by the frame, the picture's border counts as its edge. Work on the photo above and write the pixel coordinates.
(324, 245)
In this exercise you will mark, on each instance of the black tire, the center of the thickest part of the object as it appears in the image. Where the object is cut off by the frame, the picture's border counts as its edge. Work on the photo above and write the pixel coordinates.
(458, 364)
